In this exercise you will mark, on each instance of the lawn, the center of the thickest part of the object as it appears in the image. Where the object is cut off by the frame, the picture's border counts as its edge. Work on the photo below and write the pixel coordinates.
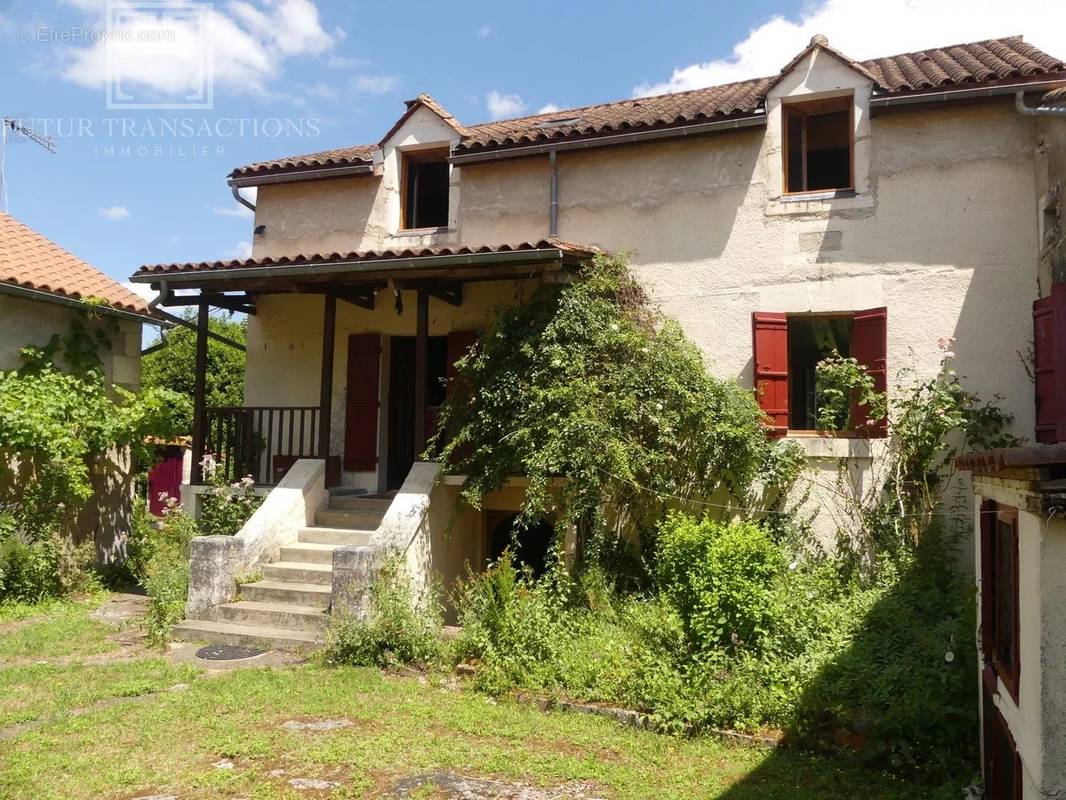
(87, 716)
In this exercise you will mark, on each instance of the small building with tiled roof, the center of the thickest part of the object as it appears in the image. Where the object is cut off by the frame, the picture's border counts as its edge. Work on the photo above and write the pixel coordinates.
(43, 288)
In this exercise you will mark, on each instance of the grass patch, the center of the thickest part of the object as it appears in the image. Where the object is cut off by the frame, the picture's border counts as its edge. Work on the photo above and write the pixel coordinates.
(169, 743)
(58, 628)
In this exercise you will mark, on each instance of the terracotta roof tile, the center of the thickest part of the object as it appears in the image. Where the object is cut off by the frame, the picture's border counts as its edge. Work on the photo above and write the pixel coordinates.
(340, 157)
(954, 66)
(366, 255)
(29, 260)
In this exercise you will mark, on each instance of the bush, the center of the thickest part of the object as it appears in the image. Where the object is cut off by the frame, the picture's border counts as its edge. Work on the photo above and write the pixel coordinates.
(167, 575)
(718, 577)
(397, 631)
(29, 572)
(225, 509)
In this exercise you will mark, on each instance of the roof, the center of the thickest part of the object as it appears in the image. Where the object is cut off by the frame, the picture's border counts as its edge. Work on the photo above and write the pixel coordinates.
(1055, 97)
(1033, 455)
(960, 66)
(145, 273)
(30, 261)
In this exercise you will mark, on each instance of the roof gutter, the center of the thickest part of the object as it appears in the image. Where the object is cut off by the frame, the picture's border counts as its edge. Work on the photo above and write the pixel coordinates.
(355, 267)
(636, 137)
(1038, 111)
(241, 199)
(951, 95)
(72, 302)
(302, 175)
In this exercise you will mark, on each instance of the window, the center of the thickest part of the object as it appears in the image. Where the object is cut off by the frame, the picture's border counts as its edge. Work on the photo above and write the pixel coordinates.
(787, 347)
(424, 197)
(818, 145)
(999, 592)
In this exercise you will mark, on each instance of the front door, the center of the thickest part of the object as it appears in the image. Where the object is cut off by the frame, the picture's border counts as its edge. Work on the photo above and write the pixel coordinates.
(402, 400)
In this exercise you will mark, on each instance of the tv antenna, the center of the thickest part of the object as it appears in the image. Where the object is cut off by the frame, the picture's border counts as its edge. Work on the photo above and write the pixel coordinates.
(14, 127)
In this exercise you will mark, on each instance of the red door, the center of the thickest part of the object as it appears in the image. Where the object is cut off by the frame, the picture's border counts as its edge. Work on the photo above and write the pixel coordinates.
(165, 479)
(361, 406)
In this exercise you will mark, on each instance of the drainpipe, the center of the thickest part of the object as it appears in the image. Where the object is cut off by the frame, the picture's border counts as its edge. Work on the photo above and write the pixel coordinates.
(1038, 111)
(240, 198)
(553, 203)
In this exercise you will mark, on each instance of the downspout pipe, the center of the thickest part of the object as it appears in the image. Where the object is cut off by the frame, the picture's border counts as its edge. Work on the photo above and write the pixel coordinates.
(1037, 111)
(241, 199)
(553, 203)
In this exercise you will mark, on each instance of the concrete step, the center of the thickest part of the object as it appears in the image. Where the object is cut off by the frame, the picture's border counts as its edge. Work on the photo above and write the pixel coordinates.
(355, 520)
(294, 572)
(315, 595)
(285, 616)
(335, 536)
(308, 553)
(246, 635)
(353, 502)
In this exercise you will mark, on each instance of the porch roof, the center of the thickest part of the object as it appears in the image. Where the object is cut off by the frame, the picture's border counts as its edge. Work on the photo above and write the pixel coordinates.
(452, 263)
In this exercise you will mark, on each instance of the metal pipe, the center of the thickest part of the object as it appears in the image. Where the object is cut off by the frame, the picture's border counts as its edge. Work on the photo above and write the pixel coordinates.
(240, 198)
(961, 94)
(553, 203)
(635, 137)
(303, 175)
(1038, 111)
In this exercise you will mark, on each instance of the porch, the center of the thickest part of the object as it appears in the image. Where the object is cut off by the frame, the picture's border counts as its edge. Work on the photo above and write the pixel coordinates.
(349, 356)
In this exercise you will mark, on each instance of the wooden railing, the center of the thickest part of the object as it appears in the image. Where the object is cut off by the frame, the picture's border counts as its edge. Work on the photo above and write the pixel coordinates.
(260, 441)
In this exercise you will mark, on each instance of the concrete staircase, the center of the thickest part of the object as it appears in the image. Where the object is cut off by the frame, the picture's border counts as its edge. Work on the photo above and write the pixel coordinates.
(288, 608)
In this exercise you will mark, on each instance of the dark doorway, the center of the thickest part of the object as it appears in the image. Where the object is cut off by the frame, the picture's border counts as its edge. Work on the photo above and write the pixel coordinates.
(530, 546)
(401, 444)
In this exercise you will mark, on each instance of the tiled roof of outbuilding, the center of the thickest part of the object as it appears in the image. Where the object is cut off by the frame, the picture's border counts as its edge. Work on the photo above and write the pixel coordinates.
(30, 261)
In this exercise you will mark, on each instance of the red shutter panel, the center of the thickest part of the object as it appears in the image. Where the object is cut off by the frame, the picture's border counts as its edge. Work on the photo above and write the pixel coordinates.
(869, 346)
(361, 408)
(459, 342)
(770, 334)
(1049, 355)
(988, 580)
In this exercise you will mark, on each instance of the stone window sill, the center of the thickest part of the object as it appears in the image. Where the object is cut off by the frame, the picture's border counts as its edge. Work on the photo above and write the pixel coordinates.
(816, 445)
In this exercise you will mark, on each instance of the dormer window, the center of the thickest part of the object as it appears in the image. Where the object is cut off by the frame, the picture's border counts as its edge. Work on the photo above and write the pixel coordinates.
(424, 199)
(819, 145)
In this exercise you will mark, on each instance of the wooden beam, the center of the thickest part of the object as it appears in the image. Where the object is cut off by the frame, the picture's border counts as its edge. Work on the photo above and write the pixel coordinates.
(358, 296)
(421, 366)
(244, 303)
(325, 396)
(199, 412)
(452, 295)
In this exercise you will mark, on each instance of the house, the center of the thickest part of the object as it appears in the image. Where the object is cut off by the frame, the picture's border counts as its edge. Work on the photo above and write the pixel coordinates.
(43, 290)
(873, 206)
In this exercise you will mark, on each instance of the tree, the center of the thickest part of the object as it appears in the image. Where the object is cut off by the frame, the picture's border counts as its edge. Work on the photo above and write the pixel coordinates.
(173, 366)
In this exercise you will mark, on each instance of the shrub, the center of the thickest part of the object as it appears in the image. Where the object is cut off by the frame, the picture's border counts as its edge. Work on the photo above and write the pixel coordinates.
(167, 575)
(718, 576)
(29, 572)
(398, 629)
(225, 509)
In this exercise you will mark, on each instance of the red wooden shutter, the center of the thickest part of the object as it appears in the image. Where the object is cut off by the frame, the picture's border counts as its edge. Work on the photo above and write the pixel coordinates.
(988, 578)
(1049, 356)
(361, 408)
(869, 346)
(459, 342)
(770, 334)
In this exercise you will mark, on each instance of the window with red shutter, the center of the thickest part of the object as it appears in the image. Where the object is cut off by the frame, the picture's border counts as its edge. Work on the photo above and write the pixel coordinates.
(770, 334)
(361, 408)
(1000, 593)
(1049, 365)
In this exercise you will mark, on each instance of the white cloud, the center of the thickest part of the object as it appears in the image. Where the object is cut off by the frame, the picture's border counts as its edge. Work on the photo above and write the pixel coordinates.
(142, 290)
(346, 62)
(484, 32)
(239, 211)
(548, 108)
(375, 84)
(114, 213)
(900, 26)
(246, 45)
(241, 250)
(502, 106)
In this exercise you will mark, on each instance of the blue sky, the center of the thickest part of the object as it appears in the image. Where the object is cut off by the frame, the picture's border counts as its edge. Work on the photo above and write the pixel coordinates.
(339, 71)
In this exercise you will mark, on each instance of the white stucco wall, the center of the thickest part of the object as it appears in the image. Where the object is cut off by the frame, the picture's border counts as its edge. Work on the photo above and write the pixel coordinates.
(24, 322)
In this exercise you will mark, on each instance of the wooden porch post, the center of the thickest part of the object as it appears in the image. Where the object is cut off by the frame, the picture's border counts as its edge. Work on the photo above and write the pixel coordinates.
(421, 365)
(199, 410)
(325, 396)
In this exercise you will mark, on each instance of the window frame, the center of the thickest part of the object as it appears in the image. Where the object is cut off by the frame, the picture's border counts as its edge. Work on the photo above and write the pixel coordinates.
(421, 156)
(993, 516)
(789, 108)
(814, 315)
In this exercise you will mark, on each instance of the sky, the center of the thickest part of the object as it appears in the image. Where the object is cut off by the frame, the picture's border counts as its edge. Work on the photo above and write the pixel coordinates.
(152, 103)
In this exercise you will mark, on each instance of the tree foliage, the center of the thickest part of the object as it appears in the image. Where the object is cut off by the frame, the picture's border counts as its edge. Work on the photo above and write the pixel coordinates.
(586, 381)
(173, 366)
